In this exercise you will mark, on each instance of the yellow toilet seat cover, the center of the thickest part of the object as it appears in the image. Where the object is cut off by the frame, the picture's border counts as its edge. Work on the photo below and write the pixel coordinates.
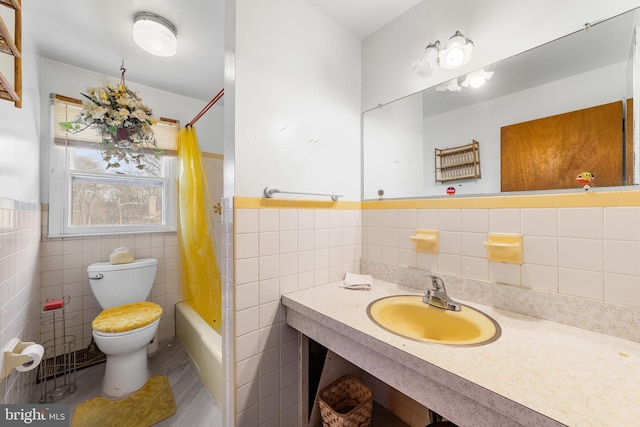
(127, 317)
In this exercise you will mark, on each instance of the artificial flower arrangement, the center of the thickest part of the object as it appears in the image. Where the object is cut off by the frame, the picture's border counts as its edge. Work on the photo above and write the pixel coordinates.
(124, 122)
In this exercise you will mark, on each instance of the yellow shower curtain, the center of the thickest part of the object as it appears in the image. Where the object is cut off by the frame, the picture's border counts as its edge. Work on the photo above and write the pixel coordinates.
(200, 277)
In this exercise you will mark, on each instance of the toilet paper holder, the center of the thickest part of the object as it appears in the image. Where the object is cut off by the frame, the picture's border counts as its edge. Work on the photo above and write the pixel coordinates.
(13, 358)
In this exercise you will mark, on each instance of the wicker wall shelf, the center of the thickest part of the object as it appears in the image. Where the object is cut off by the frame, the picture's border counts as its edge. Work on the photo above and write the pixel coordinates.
(458, 163)
(11, 44)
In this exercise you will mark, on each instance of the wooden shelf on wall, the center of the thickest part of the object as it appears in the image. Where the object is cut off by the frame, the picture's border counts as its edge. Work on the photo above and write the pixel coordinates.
(12, 45)
(453, 164)
(6, 90)
(7, 44)
(13, 4)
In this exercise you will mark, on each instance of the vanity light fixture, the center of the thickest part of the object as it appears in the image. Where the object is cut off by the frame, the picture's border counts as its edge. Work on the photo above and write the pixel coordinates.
(457, 53)
(424, 67)
(477, 78)
(155, 34)
(450, 85)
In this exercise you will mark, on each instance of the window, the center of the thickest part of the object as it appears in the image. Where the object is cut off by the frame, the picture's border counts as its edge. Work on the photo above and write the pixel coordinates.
(86, 198)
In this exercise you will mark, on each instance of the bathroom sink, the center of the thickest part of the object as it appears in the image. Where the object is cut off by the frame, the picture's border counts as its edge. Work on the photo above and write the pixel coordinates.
(409, 317)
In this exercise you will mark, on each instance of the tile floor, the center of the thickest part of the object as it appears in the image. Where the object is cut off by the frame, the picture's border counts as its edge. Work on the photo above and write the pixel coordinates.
(195, 406)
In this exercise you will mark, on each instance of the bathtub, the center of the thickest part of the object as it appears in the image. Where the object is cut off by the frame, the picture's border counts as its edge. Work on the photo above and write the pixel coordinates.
(204, 346)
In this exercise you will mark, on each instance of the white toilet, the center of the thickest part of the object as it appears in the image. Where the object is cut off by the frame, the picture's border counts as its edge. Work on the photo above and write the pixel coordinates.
(126, 324)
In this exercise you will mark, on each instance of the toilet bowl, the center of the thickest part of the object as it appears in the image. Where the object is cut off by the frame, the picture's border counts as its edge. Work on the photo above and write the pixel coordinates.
(126, 370)
(127, 323)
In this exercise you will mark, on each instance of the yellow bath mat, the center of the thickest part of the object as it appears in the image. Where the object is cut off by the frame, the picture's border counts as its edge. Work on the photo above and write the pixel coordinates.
(151, 404)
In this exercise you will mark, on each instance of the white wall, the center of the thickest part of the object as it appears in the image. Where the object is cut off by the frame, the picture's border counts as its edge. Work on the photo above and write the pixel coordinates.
(295, 78)
(64, 79)
(20, 231)
(498, 28)
(297, 101)
(19, 135)
(394, 150)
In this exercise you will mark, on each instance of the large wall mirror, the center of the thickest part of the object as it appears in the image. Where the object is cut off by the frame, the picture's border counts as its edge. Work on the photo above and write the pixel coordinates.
(541, 119)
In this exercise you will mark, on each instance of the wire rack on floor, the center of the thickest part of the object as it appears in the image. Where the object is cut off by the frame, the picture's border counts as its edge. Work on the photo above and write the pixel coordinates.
(59, 361)
(84, 358)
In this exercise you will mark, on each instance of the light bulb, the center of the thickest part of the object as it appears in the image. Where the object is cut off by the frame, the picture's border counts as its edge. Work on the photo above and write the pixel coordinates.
(477, 78)
(457, 53)
(424, 67)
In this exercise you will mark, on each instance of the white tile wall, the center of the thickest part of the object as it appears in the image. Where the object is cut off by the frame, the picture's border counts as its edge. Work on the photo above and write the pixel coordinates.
(621, 289)
(505, 221)
(540, 222)
(540, 277)
(621, 257)
(229, 297)
(475, 220)
(20, 280)
(583, 223)
(471, 244)
(587, 252)
(450, 242)
(581, 254)
(540, 250)
(622, 223)
(408, 218)
(296, 249)
(428, 218)
(508, 274)
(581, 283)
(449, 220)
(476, 268)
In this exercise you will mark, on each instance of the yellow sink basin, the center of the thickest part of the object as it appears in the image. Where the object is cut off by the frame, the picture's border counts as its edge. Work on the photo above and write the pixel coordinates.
(409, 317)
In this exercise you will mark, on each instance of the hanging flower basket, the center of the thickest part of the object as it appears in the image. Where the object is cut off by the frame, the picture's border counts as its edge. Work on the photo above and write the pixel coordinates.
(123, 122)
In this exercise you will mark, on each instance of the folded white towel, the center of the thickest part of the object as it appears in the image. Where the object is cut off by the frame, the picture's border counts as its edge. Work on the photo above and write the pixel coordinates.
(357, 281)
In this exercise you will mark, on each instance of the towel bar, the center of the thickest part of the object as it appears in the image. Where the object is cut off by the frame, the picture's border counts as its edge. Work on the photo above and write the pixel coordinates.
(270, 191)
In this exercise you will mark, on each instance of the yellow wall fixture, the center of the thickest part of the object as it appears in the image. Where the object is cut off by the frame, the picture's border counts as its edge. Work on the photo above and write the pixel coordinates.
(503, 247)
(201, 282)
(426, 241)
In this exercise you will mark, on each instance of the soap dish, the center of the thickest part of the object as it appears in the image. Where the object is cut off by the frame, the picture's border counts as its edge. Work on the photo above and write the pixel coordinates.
(426, 241)
(505, 248)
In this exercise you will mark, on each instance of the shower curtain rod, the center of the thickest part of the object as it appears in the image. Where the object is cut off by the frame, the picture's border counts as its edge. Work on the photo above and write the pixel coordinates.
(206, 107)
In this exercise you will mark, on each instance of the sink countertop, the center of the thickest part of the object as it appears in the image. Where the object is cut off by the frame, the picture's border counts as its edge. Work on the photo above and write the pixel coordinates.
(565, 374)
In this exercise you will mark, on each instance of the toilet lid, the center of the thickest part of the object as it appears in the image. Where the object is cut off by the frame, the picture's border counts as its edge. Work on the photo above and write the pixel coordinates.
(127, 317)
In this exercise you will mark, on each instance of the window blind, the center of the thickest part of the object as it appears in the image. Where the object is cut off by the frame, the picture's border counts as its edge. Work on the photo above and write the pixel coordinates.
(66, 109)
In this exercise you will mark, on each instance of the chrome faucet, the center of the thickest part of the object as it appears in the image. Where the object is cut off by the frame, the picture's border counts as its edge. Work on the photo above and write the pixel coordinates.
(437, 296)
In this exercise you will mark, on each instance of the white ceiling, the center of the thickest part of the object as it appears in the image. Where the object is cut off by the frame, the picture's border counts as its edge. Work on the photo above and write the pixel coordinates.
(363, 17)
(96, 35)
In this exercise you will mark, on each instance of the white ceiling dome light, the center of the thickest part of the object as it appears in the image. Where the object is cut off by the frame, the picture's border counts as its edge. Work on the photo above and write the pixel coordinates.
(155, 34)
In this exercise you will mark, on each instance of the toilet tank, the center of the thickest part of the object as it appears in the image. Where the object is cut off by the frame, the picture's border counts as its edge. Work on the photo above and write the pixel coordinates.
(117, 284)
